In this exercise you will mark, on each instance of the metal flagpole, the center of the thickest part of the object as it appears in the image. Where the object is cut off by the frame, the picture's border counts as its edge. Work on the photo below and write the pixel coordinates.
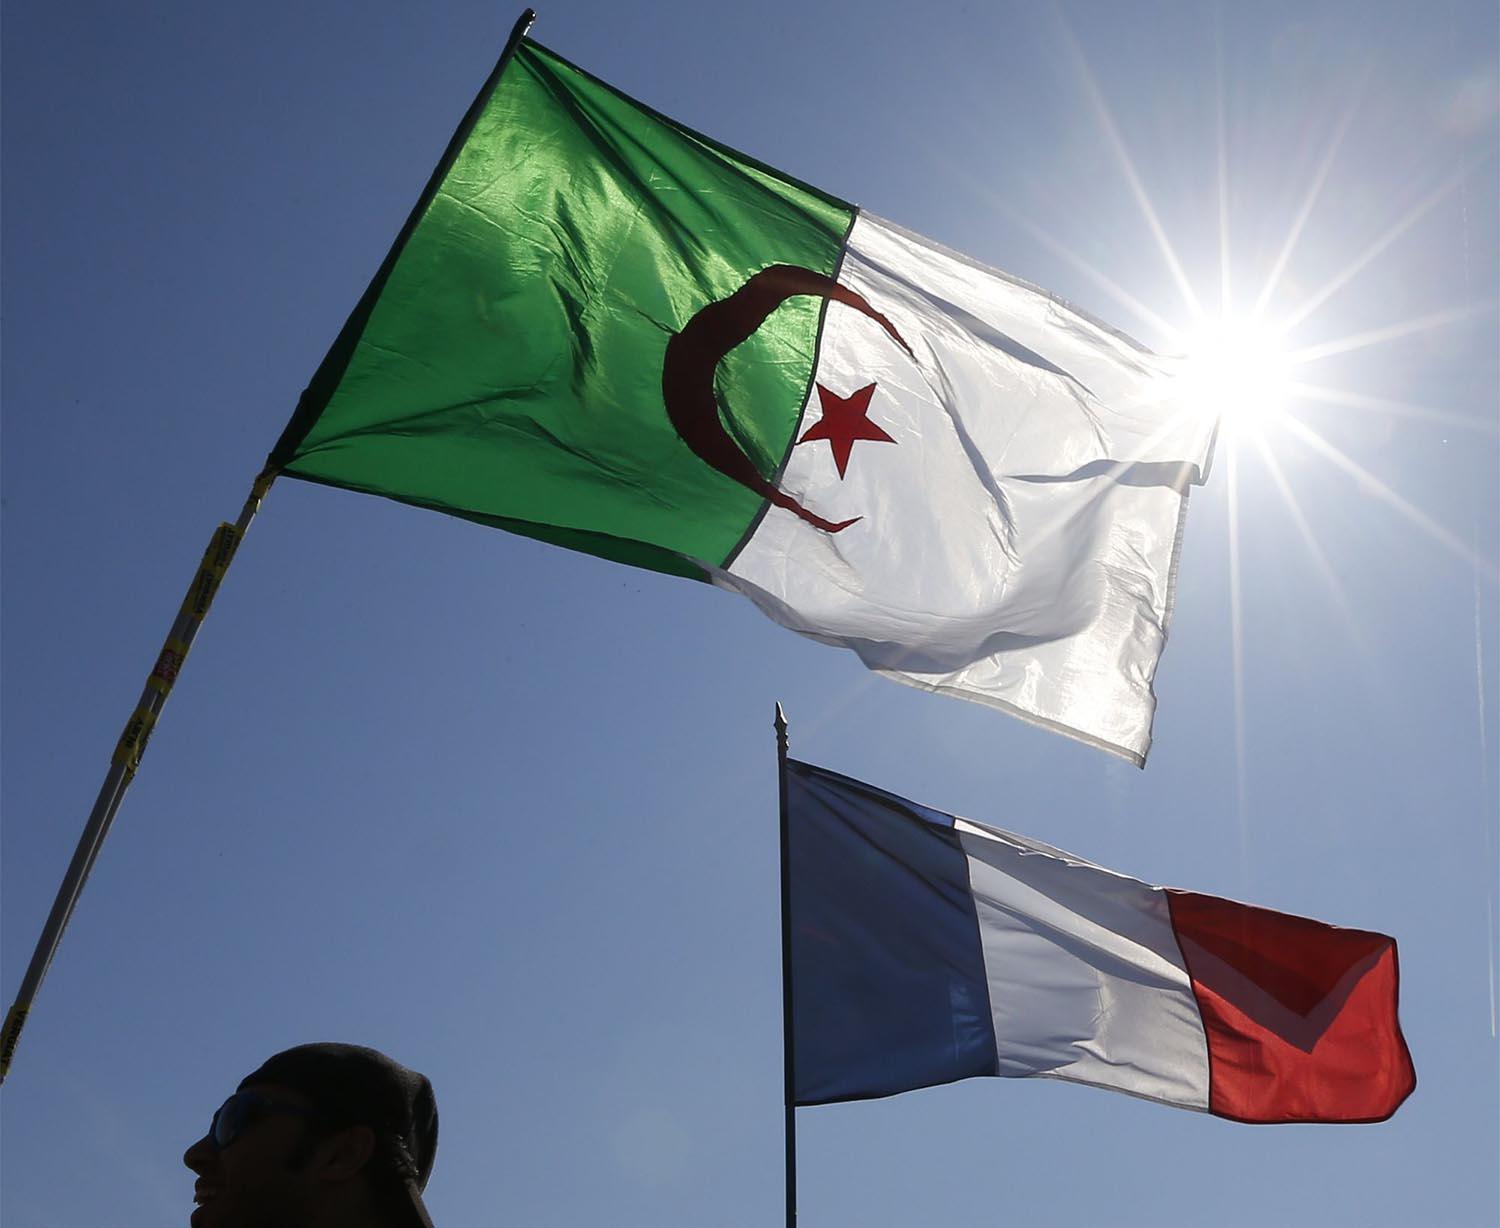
(127, 756)
(788, 1048)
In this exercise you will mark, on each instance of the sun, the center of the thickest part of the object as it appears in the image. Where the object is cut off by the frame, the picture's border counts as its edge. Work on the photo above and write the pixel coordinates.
(1238, 370)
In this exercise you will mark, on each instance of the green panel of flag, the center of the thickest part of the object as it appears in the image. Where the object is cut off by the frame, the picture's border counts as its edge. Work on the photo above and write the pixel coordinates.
(506, 365)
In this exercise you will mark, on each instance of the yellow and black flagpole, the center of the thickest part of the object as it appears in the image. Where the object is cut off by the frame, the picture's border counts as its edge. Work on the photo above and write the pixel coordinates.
(788, 1048)
(127, 755)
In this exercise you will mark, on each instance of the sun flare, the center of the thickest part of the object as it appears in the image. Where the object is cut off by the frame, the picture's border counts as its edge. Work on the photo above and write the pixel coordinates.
(1238, 370)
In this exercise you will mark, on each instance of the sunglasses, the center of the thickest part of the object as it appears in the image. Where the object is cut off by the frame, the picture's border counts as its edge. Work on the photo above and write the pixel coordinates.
(244, 1109)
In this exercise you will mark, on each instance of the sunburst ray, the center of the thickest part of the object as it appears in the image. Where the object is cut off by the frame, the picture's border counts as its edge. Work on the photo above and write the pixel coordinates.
(1127, 164)
(1380, 490)
(1237, 652)
(1375, 336)
(1112, 288)
(1396, 409)
(1315, 190)
(1326, 570)
(1226, 293)
(1409, 219)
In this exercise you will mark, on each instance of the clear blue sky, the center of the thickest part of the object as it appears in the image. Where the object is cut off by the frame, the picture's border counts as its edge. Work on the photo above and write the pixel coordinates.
(509, 813)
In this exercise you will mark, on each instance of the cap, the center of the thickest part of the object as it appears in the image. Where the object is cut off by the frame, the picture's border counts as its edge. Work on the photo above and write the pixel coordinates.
(352, 1085)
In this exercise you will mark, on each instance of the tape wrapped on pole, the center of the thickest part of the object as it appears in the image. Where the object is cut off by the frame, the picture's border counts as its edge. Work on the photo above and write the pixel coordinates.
(132, 743)
(216, 560)
(127, 756)
(168, 665)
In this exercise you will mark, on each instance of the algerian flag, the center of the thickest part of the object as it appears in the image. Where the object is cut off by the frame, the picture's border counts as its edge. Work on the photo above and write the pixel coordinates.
(604, 330)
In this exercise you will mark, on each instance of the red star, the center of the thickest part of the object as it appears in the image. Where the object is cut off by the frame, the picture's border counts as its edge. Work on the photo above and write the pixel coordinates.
(844, 420)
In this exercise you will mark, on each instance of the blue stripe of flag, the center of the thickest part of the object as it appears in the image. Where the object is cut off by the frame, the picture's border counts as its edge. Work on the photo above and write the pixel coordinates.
(888, 980)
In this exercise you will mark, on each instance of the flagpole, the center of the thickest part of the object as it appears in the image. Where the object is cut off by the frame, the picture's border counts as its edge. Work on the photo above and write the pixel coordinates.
(788, 1047)
(127, 756)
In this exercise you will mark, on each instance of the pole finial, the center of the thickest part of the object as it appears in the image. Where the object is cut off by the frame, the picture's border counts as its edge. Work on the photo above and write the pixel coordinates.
(780, 724)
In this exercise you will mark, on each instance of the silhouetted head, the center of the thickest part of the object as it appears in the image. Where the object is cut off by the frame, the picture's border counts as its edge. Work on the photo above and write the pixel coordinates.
(320, 1136)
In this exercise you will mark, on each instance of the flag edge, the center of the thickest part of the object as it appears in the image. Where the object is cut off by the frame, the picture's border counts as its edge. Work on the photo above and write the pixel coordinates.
(346, 341)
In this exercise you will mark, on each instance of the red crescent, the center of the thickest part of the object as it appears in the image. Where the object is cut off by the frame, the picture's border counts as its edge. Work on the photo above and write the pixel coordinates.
(692, 359)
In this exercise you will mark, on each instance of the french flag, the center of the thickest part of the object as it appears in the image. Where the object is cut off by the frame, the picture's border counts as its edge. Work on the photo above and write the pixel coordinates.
(927, 948)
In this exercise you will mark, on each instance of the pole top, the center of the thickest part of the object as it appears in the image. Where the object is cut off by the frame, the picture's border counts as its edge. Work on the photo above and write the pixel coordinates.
(780, 724)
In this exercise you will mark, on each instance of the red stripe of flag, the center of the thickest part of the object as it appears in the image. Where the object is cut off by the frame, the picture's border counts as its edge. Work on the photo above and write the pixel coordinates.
(1300, 1016)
